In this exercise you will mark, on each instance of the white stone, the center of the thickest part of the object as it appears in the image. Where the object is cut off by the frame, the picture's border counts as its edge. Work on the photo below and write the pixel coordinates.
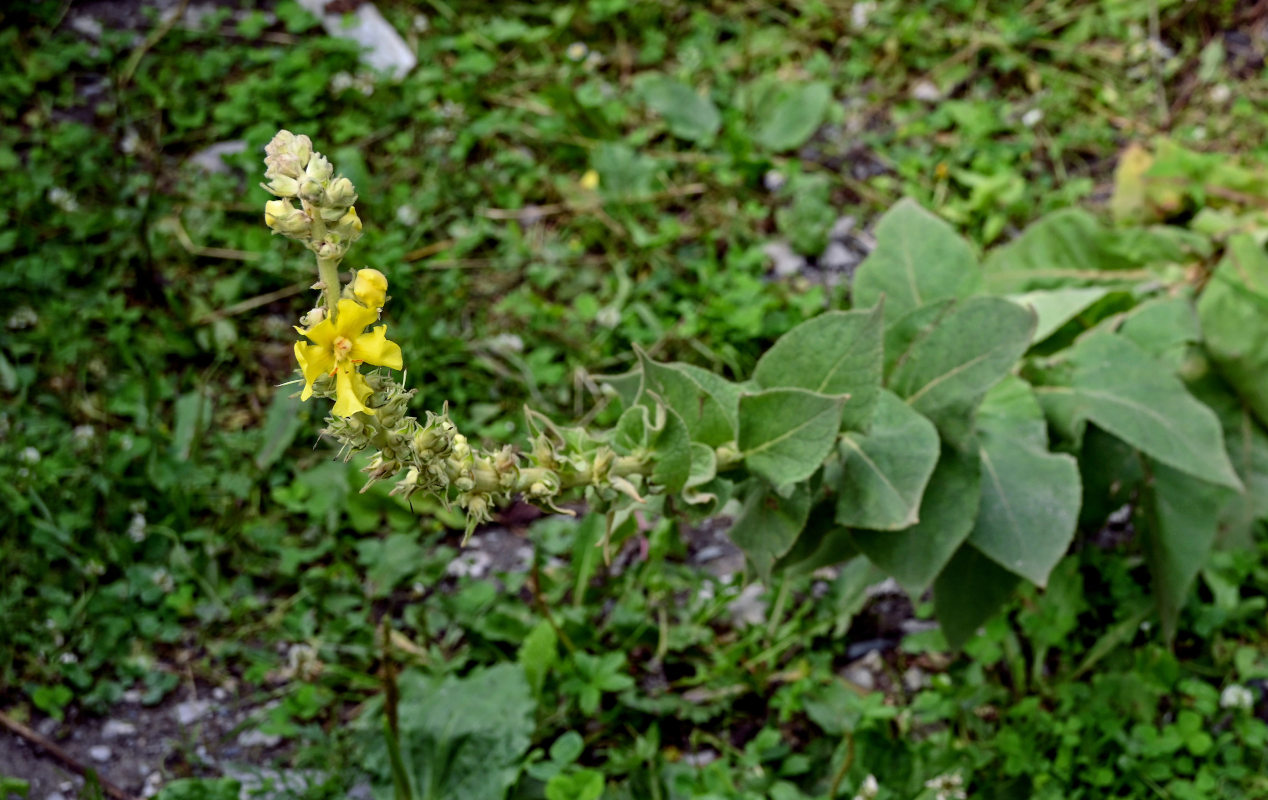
(100, 753)
(382, 47)
(117, 728)
(926, 92)
(191, 711)
(837, 257)
(786, 261)
(258, 739)
(212, 159)
(750, 607)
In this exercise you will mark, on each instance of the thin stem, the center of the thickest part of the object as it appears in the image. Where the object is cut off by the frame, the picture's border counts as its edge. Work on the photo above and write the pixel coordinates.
(328, 274)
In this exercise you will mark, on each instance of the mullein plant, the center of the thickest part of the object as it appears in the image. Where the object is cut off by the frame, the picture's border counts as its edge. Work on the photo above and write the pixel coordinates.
(911, 430)
(344, 355)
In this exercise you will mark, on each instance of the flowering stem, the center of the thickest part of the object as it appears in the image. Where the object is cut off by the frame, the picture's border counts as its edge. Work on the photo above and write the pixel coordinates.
(328, 274)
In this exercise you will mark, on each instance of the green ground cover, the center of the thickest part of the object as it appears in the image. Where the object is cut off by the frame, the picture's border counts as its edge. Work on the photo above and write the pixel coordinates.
(166, 515)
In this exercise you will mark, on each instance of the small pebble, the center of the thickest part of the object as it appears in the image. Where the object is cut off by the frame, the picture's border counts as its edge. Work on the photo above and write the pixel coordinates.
(926, 92)
(116, 728)
(786, 261)
(842, 228)
(100, 753)
(191, 711)
(258, 739)
(837, 257)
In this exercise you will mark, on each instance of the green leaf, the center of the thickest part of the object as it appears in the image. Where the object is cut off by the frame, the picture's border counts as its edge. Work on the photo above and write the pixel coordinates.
(538, 654)
(1165, 328)
(968, 592)
(785, 434)
(707, 403)
(16, 786)
(672, 446)
(1029, 507)
(944, 373)
(626, 385)
(1071, 247)
(884, 472)
(1111, 382)
(793, 116)
(281, 424)
(1055, 307)
(914, 556)
(769, 525)
(822, 543)
(838, 352)
(1247, 443)
(465, 737)
(688, 114)
(1234, 314)
(919, 259)
(584, 784)
(1181, 513)
(193, 414)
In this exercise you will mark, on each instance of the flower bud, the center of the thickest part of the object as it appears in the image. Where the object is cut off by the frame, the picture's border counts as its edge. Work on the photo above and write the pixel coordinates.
(283, 186)
(370, 287)
(319, 168)
(313, 317)
(283, 164)
(341, 194)
(310, 190)
(284, 218)
(349, 225)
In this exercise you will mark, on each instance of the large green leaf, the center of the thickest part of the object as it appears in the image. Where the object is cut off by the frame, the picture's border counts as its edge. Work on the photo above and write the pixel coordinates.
(1247, 443)
(1234, 314)
(822, 543)
(1029, 507)
(838, 352)
(914, 556)
(792, 116)
(919, 259)
(944, 372)
(884, 472)
(465, 737)
(1110, 381)
(769, 524)
(1056, 307)
(785, 434)
(688, 114)
(968, 591)
(1165, 328)
(1181, 513)
(672, 445)
(707, 403)
(1071, 247)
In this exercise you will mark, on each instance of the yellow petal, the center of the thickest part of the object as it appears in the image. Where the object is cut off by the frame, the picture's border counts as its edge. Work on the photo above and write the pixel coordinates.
(323, 333)
(370, 287)
(314, 361)
(352, 319)
(351, 392)
(374, 348)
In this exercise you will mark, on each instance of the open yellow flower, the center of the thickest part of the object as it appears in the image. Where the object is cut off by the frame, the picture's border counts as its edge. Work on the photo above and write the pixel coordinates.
(338, 347)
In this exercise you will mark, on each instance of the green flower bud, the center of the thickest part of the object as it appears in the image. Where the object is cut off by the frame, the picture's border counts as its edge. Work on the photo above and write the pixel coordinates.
(282, 186)
(310, 190)
(284, 164)
(285, 219)
(318, 168)
(340, 194)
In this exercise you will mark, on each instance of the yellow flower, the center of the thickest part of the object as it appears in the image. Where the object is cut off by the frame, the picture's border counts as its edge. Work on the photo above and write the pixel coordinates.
(370, 287)
(338, 347)
(590, 180)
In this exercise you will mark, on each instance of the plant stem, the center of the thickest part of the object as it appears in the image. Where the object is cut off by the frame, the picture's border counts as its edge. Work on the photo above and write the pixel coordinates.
(328, 274)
